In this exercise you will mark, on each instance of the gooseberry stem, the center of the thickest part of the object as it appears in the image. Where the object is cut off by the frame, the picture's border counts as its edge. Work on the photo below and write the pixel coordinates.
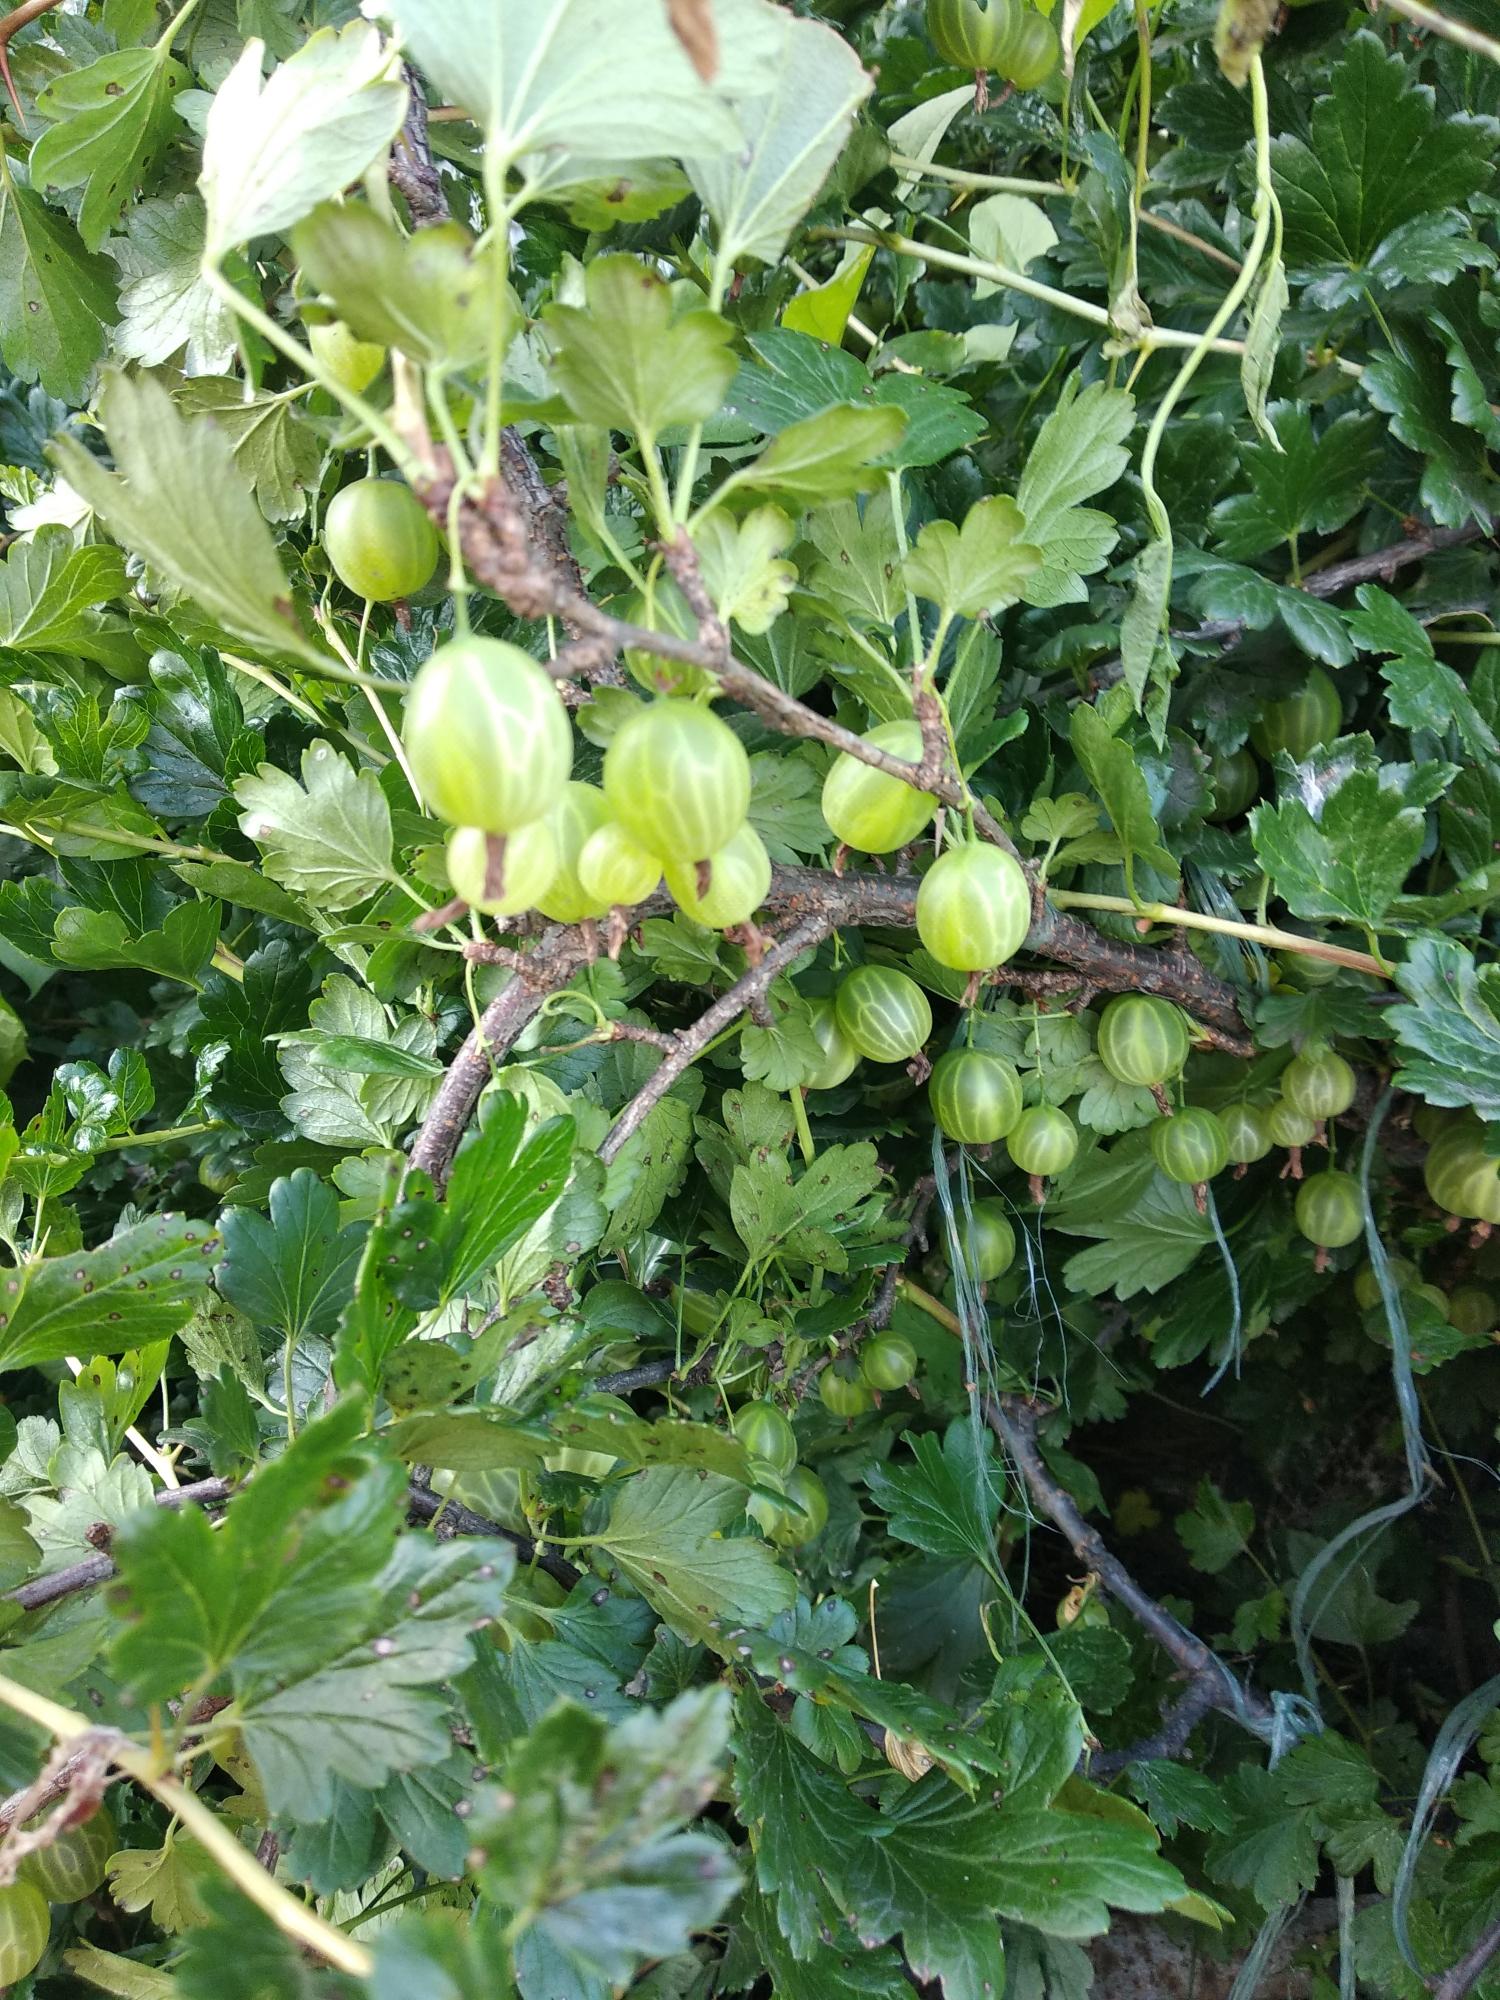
(1196, 920)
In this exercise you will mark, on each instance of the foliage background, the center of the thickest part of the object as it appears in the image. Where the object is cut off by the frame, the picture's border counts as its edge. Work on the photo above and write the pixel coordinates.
(580, 1728)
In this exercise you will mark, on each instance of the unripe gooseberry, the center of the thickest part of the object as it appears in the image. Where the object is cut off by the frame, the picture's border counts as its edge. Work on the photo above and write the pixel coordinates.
(1472, 1310)
(73, 1866)
(489, 739)
(868, 809)
(1403, 1275)
(1302, 721)
(987, 1241)
(974, 907)
(579, 813)
(765, 1433)
(1235, 781)
(1329, 1210)
(1247, 1128)
(1190, 1147)
(1142, 1040)
(803, 1514)
(1319, 1083)
(840, 1057)
(380, 540)
(1288, 1126)
(844, 1392)
(615, 869)
(25, 1924)
(1043, 1142)
(352, 362)
(502, 874)
(728, 886)
(677, 777)
(883, 1013)
(975, 1096)
(887, 1361)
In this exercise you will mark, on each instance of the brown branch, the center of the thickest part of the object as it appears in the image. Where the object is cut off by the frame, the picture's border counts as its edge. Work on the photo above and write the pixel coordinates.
(1014, 1420)
(422, 1504)
(412, 170)
(43, 1590)
(826, 902)
(750, 986)
(1463, 1977)
(1378, 565)
(1171, 1740)
(13, 22)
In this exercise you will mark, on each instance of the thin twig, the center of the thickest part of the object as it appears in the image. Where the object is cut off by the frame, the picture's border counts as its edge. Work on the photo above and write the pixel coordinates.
(83, 1575)
(1014, 1420)
(422, 1504)
(1463, 1977)
(413, 172)
(1473, 39)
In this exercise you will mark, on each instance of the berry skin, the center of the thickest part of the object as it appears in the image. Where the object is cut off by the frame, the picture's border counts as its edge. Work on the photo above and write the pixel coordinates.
(974, 908)
(1461, 1177)
(615, 869)
(1191, 1147)
(1247, 1127)
(987, 1240)
(883, 1013)
(840, 1057)
(676, 777)
(579, 813)
(1319, 1083)
(802, 1517)
(25, 1924)
(503, 874)
(975, 1097)
(380, 540)
(1142, 1040)
(1329, 1211)
(489, 739)
(1288, 1126)
(1235, 779)
(1044, 1142)
(739, 875)
(868, 809)
(72, 1867)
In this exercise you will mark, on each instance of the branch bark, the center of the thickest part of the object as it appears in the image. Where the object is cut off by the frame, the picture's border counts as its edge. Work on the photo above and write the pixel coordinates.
(1014, 1420)
(422, 1504)
(1463, 1977)
(83, 1575)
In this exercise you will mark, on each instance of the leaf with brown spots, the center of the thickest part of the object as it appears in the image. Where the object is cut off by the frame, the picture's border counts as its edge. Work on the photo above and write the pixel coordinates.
(140, 1286)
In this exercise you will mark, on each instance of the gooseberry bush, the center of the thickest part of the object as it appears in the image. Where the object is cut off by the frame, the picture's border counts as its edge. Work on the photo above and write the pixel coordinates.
(747, 890)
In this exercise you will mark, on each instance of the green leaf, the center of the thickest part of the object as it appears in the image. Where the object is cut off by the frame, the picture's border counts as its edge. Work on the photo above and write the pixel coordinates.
(823, 457)
(1145, 651)
(180, 948)
(178, 499)
(590, 1834)
(1148, 1228)
(1378, 155)
(666, 1533)
(292, 1272)
(1008, 229)
(329, 838)
(113, 117)
(426, 294)
(946, 1499)
(497, 1190)
(1215, 1530)
(856, 573)
(139, 1287)
(795, 115)
(1313, 483)
(552, 78)
(627, 362)
(801, 377)
(278, 453)
(743, 567)
(1114, 771)
(1263, 343)
(1079, 451)
(803, 1218)
(1425, 693)
(650, 1166)
(979, 568)
(49, 591)
(274, 147)
(1343, 847)
(237, 882)
(1409, 385)
(57, 300)
(838, 1971)
(1269, 1846)
(1448, 1029)
(166, 308)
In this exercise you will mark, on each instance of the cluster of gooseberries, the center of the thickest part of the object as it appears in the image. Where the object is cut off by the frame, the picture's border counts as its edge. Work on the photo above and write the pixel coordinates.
(801, 1512)
(66, 1870)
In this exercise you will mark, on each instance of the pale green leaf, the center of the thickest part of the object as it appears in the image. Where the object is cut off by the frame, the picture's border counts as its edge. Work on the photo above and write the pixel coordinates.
(627, 362)
(113, 117)
(979, 568)
(329, 838)
(426, 294)
(276, 146)
(166, 308)
(1079, 451)
(57, 300)
(666, 1530)
(178, 499)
